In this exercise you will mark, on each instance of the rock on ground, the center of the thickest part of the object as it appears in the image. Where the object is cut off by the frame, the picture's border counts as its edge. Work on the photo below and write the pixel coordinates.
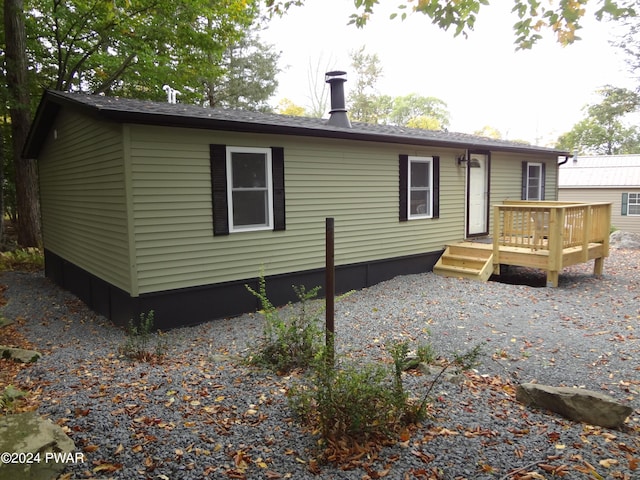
(620, 239)
(33, 441)
(576, 404)
(19, 354)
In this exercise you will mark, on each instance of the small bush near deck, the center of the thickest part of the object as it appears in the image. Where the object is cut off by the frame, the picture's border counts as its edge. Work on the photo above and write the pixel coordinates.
(292, 342)
(142, 343)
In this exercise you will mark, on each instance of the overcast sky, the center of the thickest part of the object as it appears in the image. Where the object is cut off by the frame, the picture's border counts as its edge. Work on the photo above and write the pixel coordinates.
(530, 95)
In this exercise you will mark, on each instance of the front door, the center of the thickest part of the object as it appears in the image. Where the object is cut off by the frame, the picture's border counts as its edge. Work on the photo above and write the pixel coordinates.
(478, 165)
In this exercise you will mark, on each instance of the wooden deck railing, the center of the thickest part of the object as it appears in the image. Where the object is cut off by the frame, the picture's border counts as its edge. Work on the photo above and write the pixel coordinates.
(543, 225)
(550, 228)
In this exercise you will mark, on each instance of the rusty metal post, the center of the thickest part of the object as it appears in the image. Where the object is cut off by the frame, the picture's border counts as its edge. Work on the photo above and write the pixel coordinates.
(330, 290)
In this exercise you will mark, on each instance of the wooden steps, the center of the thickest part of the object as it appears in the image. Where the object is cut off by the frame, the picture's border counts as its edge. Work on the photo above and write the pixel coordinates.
(466, 260)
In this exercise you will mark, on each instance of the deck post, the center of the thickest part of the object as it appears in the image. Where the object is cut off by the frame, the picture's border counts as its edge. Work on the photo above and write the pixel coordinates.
(496, 239)
(598, 266)
(586, 231)
(556, 225)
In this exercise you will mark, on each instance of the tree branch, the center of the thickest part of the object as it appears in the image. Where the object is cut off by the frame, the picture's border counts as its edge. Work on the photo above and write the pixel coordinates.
(104, 86)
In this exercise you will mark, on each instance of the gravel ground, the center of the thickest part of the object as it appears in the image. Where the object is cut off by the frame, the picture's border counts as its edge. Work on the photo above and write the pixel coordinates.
(204, 414)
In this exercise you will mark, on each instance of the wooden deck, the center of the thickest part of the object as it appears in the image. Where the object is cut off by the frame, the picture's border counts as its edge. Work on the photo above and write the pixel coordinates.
(544, 235)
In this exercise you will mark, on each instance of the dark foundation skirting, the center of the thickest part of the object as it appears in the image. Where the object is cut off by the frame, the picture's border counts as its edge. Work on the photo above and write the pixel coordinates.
(190, 306)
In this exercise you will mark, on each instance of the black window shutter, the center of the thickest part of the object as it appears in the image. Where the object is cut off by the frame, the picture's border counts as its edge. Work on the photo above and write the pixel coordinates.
(277, 165)
(218, 159)
(404, 186)
(625, 204)
(543, 178)
(525, 172)
(436, 187)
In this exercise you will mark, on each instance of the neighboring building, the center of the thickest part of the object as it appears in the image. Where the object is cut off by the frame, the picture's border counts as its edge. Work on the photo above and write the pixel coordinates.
(606, 178)
(175, 208)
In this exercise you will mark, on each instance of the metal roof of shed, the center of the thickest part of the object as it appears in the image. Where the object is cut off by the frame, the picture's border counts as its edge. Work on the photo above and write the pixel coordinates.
(124, 110)
(604, 171)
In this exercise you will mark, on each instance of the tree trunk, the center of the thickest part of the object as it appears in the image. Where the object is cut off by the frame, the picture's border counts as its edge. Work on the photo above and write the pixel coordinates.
(2, 186)
(28, 207)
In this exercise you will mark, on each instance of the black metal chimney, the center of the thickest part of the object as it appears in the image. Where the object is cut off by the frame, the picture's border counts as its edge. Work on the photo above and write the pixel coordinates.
(338, 113)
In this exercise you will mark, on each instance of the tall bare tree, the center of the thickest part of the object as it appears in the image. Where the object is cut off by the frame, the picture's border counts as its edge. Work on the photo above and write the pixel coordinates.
(26, 176)
(318, 91)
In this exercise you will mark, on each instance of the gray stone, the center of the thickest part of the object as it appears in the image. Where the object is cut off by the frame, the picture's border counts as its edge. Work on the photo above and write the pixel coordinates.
(621, 239)
(19, 354)
(41, 446)
(434, 370)
(576, 404)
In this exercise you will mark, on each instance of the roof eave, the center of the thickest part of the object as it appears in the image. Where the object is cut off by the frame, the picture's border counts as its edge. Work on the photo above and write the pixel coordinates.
(341, 134)
(51, 103)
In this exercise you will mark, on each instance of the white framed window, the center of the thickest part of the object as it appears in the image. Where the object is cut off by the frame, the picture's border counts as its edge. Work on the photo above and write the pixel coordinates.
(633, 204)
(420, 191)
(249, 189)
(534, 181)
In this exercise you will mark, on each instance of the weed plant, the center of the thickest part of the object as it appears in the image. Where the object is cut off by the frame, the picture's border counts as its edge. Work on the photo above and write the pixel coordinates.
(348, 401)
(141, 342)
(28, 259)
(344, 401)
(368, 401)
(291, 342)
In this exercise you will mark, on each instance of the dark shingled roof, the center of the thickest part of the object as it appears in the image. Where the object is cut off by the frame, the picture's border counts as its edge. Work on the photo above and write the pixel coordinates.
(124, 110)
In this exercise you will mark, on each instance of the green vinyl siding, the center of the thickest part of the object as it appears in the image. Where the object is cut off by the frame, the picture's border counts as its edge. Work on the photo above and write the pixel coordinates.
(506, 177)
(109, 189)
(354, 182)
(83, 201)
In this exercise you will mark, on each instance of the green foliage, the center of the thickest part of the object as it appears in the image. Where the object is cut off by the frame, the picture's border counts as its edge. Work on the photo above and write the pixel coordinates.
(563, 18)
(345, 401)
(290, 342)
(364, 401)
(367, 105)
(489, 132)
(133, 48)
(9, 397)
(29, 259)
(426, 353)
(416, 111)
(603, 131)
(142, 343)
(287, 107)
(354, 402)
(469, 359)
(248, 77)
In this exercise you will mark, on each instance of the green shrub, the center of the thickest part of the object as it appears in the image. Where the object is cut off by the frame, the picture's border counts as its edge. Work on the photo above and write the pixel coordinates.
(291, 342)
(24, 259)
(141, 342)
(349, 402)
